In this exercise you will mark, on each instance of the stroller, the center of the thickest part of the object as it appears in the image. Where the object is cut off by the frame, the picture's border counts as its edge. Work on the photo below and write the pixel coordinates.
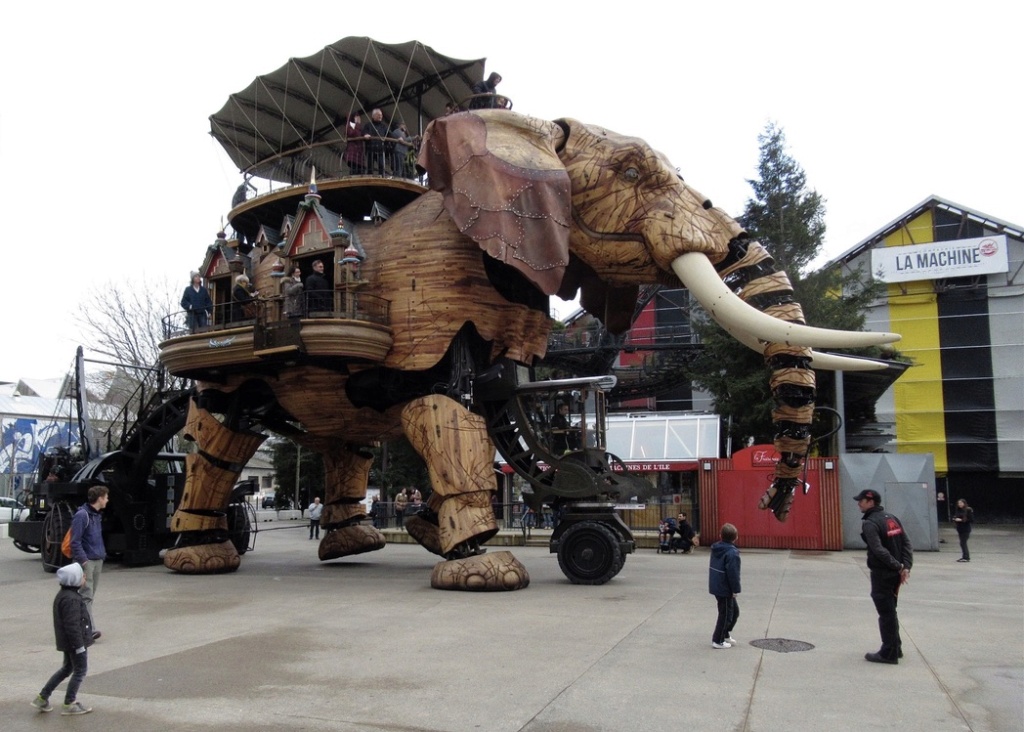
(666, 529)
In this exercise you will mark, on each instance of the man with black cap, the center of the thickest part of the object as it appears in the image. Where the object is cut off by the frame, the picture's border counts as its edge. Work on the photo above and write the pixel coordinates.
(890, 557)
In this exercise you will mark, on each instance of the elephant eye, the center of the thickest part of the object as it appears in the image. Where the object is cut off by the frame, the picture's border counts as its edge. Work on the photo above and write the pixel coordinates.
(632, 175)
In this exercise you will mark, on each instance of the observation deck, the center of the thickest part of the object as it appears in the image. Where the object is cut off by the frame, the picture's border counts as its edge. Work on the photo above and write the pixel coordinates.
(345, 327)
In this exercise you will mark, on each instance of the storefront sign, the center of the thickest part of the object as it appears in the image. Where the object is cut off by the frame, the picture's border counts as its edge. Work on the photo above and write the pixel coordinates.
(960, 258)
(667, 466)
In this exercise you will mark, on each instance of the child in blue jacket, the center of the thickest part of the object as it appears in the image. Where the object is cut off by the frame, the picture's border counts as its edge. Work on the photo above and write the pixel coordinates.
(724, 584)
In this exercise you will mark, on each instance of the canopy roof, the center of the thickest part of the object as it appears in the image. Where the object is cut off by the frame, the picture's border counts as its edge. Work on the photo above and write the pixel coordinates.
(293, 118)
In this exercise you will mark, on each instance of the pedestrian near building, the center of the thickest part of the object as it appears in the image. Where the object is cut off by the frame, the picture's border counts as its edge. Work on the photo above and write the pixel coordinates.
(401, 503)
(316, 510)
(724, 584)
(72, 629)
(87, 546)
(963, 518)
(890, 557)
(376, 511)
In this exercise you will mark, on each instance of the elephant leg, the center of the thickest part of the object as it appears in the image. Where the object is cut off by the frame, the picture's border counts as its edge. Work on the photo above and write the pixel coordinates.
(751, 270)
(203, 545)
(346, 473)
(459, 456)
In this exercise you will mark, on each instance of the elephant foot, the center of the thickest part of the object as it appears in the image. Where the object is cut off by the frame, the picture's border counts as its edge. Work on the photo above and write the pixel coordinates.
(203, 558)
(495, 572)
(350, 540)
(425, 532)
(779, 498)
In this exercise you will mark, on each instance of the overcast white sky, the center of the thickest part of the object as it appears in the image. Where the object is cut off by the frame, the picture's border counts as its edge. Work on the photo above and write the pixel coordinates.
(107, 170)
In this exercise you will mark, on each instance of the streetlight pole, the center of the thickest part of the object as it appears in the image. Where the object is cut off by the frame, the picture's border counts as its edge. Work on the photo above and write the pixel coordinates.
(298, 462)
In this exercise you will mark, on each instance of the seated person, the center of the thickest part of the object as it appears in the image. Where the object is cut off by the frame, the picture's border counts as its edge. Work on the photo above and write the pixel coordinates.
(564, 437)
(666, 529)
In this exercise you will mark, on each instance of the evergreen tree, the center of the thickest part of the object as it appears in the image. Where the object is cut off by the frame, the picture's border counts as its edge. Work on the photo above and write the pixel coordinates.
(789, 220)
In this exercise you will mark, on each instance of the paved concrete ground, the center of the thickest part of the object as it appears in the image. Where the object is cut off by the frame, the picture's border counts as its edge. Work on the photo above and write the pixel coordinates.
(364, 644)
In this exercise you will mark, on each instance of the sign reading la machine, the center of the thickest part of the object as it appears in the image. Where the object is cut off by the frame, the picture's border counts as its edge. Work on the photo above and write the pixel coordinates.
(960, 258)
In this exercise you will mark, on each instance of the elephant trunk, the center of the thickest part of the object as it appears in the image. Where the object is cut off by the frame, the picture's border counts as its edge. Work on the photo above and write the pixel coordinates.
(749, 271)
(765, 316)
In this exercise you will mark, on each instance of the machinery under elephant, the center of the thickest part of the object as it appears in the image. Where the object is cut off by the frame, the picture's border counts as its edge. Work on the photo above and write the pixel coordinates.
(520, 210)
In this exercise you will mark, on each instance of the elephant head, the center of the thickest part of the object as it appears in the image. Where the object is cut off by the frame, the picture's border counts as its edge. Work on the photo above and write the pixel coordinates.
(577, 208)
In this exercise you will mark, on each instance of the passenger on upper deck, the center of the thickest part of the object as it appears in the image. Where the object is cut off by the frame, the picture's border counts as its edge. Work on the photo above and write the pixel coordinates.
(242, 305)
(402, 164)
(355, 155)
(291, 289)
(487, 86)
(242, 193)
(197, 304)
(318, 290)
(376, 131)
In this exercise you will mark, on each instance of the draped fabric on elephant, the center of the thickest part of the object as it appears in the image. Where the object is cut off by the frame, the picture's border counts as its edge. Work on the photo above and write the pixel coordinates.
(505, 188)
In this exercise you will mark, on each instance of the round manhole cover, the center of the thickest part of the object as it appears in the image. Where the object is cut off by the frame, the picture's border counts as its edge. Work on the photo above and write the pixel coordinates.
(782, 645)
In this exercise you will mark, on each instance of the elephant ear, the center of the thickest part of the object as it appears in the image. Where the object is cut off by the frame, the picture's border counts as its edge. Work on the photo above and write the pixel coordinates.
(505, 188)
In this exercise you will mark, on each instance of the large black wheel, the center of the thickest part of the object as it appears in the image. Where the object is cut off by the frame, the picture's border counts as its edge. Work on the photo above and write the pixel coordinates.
(589, 553)
(239, 526)
(55, 526)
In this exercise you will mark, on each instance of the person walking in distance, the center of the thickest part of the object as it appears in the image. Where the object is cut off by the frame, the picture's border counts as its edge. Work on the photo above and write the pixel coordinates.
(963, 518)
(315, 509)
(73, 631)
(890, 557)
(87, 546)
(724, 584)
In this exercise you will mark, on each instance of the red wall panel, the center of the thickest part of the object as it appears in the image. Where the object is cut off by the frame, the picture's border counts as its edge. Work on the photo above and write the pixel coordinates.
(730, 491)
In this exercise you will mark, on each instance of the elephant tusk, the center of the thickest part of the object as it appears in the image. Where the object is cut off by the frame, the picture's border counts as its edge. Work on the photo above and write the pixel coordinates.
(820, 361)
(835, 362)
(698, 275)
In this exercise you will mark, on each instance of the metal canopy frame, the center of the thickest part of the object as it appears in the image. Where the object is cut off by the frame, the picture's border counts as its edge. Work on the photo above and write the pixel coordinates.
(293, 119)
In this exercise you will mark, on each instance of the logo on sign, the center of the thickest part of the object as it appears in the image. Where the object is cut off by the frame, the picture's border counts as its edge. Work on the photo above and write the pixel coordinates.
(988, 247)
(763, 458)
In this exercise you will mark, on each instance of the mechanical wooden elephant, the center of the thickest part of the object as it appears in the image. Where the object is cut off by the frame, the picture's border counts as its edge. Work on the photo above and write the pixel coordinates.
(557, 208)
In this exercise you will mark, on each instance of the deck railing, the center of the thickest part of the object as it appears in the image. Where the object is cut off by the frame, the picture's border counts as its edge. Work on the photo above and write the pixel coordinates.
(340, 304)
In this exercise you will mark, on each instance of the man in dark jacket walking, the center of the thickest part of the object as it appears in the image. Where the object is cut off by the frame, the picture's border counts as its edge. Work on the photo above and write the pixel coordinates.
(87, 545)
(724, 584)
(890, 557)
(73, 632)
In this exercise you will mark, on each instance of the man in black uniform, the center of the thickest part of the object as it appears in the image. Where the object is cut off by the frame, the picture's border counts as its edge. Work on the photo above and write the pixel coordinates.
(890, 557)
